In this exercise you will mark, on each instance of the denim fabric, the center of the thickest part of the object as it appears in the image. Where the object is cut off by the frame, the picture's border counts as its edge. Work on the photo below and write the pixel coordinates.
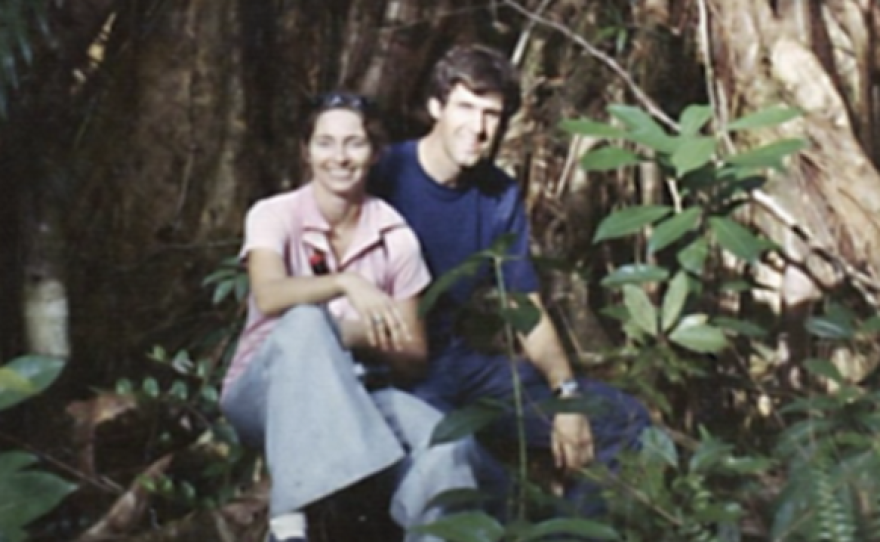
(301, 400)
(461, 376)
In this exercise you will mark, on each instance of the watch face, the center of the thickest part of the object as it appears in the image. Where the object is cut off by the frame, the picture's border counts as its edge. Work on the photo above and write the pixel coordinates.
(567, 387)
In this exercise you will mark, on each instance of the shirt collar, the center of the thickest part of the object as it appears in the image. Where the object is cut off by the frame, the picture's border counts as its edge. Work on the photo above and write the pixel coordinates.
(376, 219)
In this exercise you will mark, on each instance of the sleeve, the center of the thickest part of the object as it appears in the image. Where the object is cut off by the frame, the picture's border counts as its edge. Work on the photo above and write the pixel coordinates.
(408, 274)
(519, 272)
(263, 228)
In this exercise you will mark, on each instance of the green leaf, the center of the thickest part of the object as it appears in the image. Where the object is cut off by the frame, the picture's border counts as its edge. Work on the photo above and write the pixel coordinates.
(736, 238)
(692, 154)
(589, 127)
(150, 387)
(641, 310)
(741, 327)
(656, 444)
(629, 220)
(829, 328)
(708, 455)
(458, 499)
(447, 280)
(770, 116)
(634, 118)
(27, 495)
(464, 527)
(702, 338)
(11, 462)
(870, 326)
(823, 367)
(466, 421)
(523, 317)
(673, 228)
(580, 528)
(660, 142)
(637, 273)
(25, 377)
(693, 257)
(674, 300)
(222, 291)
(768, 156)
(693, 118)
(608, 159)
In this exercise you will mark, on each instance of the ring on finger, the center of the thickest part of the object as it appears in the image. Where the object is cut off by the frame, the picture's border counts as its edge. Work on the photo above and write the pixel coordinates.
(377, 319)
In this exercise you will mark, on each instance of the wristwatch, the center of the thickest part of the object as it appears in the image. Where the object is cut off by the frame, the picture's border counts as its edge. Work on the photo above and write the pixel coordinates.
(567, 388)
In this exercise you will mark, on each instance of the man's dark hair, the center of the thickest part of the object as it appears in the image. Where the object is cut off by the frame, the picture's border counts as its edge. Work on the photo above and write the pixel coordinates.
(479, 68)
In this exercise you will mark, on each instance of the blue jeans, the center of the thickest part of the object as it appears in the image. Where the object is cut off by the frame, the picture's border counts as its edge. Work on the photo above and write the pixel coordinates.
(301, 400)
(460, 376)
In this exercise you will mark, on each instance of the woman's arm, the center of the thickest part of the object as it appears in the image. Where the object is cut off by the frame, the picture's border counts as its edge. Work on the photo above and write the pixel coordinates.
(384, 322)
(408, 355)
(275, 291)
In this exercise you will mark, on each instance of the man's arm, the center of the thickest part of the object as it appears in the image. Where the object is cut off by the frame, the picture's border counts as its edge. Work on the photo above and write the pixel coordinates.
(572, 439)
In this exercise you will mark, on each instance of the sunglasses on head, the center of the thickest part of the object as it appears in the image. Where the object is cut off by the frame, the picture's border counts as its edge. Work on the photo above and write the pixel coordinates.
(330, 100)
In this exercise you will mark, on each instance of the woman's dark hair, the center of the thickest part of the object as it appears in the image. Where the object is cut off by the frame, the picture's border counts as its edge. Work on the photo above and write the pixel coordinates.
(479, 68)
(361, 105)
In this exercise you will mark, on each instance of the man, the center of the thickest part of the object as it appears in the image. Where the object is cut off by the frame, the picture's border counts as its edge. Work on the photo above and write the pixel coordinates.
(458, 203)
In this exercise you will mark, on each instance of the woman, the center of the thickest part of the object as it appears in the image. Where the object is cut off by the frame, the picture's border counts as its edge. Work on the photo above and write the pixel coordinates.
(333, 270)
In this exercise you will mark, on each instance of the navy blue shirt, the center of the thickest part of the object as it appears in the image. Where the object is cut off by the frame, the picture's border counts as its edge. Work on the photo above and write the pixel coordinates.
(452, 223)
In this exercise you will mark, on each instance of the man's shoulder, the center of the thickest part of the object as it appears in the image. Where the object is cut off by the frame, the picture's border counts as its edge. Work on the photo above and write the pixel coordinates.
(493, 181)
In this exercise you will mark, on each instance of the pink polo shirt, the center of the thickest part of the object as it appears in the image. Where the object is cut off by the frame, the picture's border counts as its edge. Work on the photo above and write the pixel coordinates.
(384, 250)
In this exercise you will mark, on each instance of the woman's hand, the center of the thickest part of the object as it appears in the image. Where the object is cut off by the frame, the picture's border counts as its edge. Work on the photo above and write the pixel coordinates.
(385, 327)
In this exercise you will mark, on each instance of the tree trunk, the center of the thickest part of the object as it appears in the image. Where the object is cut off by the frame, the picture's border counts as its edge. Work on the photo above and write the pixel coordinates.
(162, 194)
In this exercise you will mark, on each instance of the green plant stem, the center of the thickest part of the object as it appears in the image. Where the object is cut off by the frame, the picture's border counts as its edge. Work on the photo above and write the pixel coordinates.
(522, 450)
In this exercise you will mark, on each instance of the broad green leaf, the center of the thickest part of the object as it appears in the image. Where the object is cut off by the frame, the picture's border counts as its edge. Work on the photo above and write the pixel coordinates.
(458, 499)
(870, 326)
(829, 328)
(637, 273)
(768, 156)
(464, 527)
(575, 528)
(823, 367)
(608, 159)
(634, 118)
(629, 220)
(27, 495)
(656, 444)
(659, 141)
(466, 421)
(741, 327)
(641, 310)
(693, 118)
(674, 300)
(770, 116)
(692, 320)
(589, 127)
(704, 339)
(692, 154)
(38, 372)
(673, 228)
(693, 257)
(736, 238)
(708, 455)
(441, 284)
(222, 291)
(150, 387)
(737, 286)
(524, 316)
(14, 461)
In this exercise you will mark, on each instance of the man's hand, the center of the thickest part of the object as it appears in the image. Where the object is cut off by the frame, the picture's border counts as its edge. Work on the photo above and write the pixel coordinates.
(572, 441)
